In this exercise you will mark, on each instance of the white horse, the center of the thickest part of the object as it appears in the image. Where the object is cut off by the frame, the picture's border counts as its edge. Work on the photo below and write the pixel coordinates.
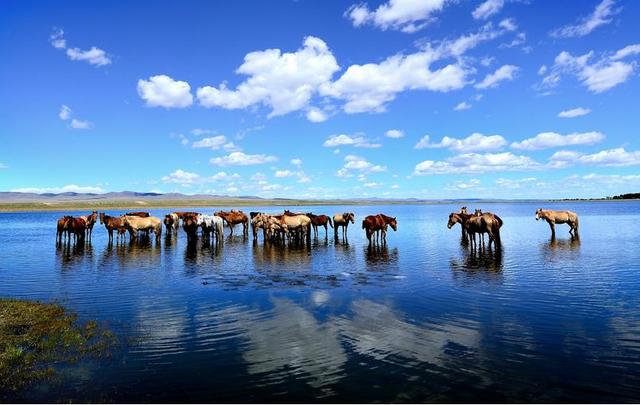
(211, 224)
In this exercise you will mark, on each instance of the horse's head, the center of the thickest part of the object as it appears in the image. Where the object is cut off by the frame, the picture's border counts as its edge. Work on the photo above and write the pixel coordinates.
(101, 218)
(463, 210)
(393, 223)
(453, 219)
(309, 214)
(477, 212)
(538, 213)
(349, 217)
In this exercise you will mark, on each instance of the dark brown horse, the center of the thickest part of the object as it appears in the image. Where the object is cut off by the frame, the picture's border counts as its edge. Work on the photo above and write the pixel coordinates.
(190, 226)
(377, 224)
(140, 214)
(78, 227)
(91, 220)
(478, 224)
(320, 220)
(63, 228)
(112, 224)
(234, 217)
(182, 214)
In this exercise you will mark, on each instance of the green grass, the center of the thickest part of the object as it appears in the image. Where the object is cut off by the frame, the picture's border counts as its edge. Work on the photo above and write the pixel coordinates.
(34, 336)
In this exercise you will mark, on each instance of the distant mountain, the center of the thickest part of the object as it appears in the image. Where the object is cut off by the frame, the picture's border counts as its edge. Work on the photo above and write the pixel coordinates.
(10, 196)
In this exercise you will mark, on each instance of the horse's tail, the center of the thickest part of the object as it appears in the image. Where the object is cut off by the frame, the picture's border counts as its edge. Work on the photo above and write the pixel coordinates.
(495, 229)
(577, 223)
(330, 222)
(363, 226)
(500, 222)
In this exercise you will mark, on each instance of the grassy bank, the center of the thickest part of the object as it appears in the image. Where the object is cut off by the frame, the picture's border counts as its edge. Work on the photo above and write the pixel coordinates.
(34, 336)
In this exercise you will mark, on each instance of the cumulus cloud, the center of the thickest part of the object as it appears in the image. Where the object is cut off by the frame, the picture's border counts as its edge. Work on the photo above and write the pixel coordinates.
(358, 164)
(214, 143)
(71, 188)
(602, 15)
(65, 113)
(402, 15)
(477, 163)
(394, 133)
(506, 72)
(284, 82)
(475, 142)
(186, 178)
(629, 50)
(546, 140)
(316, 115)
(487, 8)
(574, 112)
(297, 162)
(94, 56)
(163, 91)
(79, 124)
(242, 159)
(357, 141)
(611, 157)
(597, 76)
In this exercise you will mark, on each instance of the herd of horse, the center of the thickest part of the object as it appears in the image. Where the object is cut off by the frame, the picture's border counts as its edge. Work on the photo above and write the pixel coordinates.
(296, 227)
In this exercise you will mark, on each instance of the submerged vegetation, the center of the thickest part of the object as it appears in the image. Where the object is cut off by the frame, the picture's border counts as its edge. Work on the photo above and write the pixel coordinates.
(35, 336)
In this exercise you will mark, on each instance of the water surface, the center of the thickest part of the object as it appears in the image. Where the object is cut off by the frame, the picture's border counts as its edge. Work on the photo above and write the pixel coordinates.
(422, 319)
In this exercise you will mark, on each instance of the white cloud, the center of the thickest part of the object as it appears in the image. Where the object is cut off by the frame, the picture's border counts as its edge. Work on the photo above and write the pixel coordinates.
(574, 112)
(285, 82)
(213, 143)
(163, 91)
(543, 69)
(65, 113)
(598, 76)
(297, 162)
(258, 177)
(185, 178)
(477, 163)
(94, 56)
(394, 133)
(284, 173)
(611, 157)
(505, 72)
(360, 164)
(357, 141)
(475, 142)
(465, 185)
(602, 15)
(546, 140)
(516, 183)
(629, 50)
(71, 188)
(79, 124)
(242, 159)
(403, 15)
(3, 166)
(462, 106)
(316, 115)
(487, 9)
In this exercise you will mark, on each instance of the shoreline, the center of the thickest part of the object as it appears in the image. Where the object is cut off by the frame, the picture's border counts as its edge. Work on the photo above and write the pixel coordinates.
(137, 204)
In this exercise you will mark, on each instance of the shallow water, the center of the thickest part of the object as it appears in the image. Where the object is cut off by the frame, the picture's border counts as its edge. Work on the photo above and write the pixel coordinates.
(421, 319)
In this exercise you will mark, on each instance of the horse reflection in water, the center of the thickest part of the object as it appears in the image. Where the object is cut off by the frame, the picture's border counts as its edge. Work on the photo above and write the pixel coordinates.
(478, 263)
(135, 251)
(553, 247)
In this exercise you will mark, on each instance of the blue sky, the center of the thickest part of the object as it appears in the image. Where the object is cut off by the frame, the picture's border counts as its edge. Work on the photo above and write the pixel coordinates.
(402, 98)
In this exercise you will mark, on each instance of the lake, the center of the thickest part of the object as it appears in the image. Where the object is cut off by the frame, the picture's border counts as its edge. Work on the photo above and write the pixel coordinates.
(420, 320)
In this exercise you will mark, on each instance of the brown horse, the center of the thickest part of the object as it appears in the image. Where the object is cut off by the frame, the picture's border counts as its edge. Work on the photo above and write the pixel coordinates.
(63, 228)
(377, 224)
(78, 227)
(342, 220)
(234, 217)
(320, 220)
(474, 224)
(91, 221)
(140, 214)
(112, 224)
(190, 226)
(182, 214)
(490, 216)
(559, 217)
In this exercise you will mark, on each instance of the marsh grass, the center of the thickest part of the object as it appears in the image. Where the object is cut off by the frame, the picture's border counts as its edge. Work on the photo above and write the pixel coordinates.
(36, 336)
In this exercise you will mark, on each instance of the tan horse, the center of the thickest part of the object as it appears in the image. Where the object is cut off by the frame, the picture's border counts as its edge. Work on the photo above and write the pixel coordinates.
(559, 217)
(342, 220)
(234, 218)
(171, 222)
(297, 225)
(135, 224)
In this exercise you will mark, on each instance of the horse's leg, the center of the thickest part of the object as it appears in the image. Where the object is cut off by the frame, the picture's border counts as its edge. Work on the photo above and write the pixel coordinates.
(553, 229)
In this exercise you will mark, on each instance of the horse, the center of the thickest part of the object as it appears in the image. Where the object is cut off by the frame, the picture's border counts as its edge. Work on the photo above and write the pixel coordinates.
(77, 227)
(136, 223)
(478, 212)
(211, 224)
(90, 220)
(190, 226)
(319, 220)
(233, 218)
(559, 217)
(342, 220)
(378, 224)
(63, 228)
(140, 214)
(297, 225)
(111, 224)
(473, 224)
(171, 223)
